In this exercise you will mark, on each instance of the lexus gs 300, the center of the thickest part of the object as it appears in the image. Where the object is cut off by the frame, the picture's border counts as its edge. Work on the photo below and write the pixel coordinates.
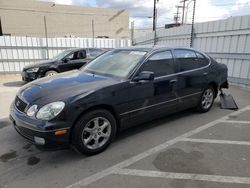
(121, 88)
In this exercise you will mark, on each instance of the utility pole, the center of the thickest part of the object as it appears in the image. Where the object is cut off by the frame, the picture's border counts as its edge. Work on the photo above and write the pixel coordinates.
(46, 36)
(183, 10)
(93, 33)
(192, 29)
(1, 30)
(187, 8)
(155, 20)
(155, 34)
(176, 18)
(132, 32)
(154, 15)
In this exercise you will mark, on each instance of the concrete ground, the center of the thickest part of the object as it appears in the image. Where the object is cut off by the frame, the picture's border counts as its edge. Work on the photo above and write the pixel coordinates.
(187, 149)
(9, 85)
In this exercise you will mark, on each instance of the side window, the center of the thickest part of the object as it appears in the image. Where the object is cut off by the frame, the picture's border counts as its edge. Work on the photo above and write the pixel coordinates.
(160, 63)
(81, 54)
(202, 60)
(70, 56)
(188, 60)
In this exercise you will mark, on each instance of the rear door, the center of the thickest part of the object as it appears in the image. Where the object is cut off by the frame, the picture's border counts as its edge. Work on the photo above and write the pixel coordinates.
(192, 75)
(151, 99)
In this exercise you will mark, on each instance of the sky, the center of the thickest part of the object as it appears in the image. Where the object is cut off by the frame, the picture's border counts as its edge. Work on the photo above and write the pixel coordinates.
(141, 10)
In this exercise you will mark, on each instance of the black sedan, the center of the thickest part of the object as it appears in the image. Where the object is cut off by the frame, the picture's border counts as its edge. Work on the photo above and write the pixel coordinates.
(121, 88)
(64, 61)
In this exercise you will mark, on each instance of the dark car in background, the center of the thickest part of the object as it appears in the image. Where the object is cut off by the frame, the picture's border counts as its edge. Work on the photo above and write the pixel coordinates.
(121, 88)
(64, 61)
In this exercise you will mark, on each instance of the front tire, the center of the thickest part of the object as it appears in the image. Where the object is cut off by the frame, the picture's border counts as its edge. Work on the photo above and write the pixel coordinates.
(94, 132)
(207, 99)
(51, 73)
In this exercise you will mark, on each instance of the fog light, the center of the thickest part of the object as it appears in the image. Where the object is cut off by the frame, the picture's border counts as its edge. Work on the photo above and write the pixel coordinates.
(39, 140)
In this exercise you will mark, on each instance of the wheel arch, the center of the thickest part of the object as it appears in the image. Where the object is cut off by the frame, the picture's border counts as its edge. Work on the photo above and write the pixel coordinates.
(109, 108)
(215, 87)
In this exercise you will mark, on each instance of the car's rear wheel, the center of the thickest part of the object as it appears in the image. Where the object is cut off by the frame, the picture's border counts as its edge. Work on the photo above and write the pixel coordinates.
(94, 132)
(51, 73)
(206, 100)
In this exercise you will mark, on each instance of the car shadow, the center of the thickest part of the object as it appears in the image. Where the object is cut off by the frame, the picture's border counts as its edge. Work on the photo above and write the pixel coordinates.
(14, 84)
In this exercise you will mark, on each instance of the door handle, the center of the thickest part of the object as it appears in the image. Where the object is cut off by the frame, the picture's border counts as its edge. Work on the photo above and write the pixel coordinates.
(205, 74)
(173, 81)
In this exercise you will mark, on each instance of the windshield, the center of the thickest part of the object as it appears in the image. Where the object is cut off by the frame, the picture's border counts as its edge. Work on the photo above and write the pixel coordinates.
(118, 63)
(62, 55)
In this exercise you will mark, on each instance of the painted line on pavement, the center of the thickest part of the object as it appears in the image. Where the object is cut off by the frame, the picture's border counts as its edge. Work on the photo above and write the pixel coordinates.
(186, 176)
(113, 169)
(233, 121)
(212, 141)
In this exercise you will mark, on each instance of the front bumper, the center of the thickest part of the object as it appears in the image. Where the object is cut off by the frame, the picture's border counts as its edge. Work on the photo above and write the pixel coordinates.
(30, 76)
(33, 130)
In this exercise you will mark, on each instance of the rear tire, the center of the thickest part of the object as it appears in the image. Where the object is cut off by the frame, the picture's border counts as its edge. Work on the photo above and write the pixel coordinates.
(207, 99)
(51, 73)
(94, 132)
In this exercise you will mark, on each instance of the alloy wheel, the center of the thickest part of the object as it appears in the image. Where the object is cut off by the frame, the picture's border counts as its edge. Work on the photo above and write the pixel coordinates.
(51, 73)
(207, 98)
(96, 133)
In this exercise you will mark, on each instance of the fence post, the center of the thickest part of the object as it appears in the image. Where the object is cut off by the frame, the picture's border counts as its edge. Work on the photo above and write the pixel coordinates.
(132, 32)
(46, 35)
(192, 28)
(93, 33)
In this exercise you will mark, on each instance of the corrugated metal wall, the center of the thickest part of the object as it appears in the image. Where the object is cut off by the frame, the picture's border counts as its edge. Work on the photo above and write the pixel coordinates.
(16, 52)
(228, 41)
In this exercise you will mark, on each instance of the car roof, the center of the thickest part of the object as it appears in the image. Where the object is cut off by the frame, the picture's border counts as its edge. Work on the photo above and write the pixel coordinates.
(146, 48)
(77, 49)
(150, 48)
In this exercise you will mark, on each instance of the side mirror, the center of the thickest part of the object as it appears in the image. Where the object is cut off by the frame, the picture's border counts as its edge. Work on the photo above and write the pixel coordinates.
(145, 76)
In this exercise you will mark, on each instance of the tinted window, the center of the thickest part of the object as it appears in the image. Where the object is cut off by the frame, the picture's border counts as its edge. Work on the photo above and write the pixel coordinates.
(81, 54)
(202, 60)
(187, 60)
(161, 64)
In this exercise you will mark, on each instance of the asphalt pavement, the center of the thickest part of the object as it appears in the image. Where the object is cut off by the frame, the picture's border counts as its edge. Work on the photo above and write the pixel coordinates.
(186, 149)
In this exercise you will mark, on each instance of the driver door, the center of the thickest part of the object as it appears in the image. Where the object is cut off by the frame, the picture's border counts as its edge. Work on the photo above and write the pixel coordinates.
(152, 99)
(73, 61)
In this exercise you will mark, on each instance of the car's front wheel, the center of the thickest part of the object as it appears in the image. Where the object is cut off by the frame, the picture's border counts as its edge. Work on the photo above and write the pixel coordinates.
(51, 73)
(206, 100)
(94, 132)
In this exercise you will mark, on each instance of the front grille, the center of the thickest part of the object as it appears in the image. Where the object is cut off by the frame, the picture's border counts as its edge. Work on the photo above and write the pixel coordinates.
(20, 105)
(26, 133)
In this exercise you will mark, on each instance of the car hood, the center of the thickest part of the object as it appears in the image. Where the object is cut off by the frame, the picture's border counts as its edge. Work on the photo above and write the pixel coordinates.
(39, 64)
(63, 87)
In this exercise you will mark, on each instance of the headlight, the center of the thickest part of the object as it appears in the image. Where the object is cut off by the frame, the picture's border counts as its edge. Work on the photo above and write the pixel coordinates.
(49, 111)
(32, 110)
(32, 70)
